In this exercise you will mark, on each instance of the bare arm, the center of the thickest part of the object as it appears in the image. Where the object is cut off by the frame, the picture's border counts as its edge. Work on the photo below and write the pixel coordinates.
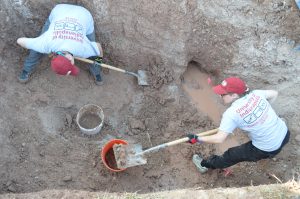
(219, 137)
(100, 49)
(271, 95)
(21, 41)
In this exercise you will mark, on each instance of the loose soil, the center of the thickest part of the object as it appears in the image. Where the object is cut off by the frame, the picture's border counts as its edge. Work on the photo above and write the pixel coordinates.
(89, 121)
(110, 159)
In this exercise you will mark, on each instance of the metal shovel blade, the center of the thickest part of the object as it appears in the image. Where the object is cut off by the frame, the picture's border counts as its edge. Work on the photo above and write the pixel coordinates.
(142, 78)
(127, 155)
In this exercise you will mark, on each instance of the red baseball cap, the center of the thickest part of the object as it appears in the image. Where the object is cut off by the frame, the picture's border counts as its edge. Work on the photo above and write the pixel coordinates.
(230, 85)
(61, 66)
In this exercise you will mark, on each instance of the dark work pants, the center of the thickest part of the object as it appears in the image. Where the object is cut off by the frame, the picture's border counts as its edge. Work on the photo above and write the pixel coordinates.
(244, 152)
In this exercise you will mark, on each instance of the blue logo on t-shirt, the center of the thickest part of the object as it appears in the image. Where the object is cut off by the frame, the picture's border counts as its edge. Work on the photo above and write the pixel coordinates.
(256, 113)
(70, 26)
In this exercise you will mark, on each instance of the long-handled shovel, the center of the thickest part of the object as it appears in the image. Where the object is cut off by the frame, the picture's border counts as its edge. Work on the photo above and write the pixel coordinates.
(141, 74)
(129, 156)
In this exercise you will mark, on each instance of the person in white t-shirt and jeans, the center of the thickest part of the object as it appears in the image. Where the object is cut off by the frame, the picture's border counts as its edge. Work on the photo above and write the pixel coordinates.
(250, 111)
(68, 32)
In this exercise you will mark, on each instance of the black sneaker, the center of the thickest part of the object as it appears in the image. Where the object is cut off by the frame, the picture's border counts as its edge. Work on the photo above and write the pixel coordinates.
(98, 80)
(24, 77)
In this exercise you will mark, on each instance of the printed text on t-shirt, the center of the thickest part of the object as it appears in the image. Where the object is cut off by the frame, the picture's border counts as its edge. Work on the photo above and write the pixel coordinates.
(253, 109)
(68, 29)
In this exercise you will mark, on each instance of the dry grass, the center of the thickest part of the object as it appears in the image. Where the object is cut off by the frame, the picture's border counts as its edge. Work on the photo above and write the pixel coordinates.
(289, 189)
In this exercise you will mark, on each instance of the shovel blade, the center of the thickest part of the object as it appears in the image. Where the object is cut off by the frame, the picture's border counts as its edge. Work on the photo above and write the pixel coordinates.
(142, 78)
(126, 156)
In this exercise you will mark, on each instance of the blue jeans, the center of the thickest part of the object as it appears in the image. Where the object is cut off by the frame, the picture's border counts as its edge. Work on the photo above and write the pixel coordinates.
(244, 152)
(33, 58)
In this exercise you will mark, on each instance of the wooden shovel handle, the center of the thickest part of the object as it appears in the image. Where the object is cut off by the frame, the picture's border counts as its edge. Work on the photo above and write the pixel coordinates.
(185, 139)
(210, 132)
(103, 65)
(206, 133)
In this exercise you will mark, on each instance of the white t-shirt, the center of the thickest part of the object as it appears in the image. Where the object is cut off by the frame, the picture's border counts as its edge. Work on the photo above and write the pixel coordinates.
(69, 25)
(254, 114)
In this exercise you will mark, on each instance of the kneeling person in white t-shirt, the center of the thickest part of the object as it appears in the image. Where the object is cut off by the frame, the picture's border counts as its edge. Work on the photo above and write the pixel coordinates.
(68, 32)
(251, 112)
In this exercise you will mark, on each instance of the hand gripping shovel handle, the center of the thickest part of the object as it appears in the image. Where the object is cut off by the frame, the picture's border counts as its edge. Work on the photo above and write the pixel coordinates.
(185, 139)
(141, 75)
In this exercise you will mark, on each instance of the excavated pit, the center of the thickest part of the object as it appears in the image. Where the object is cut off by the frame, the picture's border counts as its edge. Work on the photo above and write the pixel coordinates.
(181, 44)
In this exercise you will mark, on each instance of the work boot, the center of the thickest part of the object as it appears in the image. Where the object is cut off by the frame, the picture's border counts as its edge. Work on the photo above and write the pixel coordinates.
(24, 77)
(98, 80)
(197, 161)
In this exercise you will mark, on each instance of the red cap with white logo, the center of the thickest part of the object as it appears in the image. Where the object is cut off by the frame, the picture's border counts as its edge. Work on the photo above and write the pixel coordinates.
(231, 85)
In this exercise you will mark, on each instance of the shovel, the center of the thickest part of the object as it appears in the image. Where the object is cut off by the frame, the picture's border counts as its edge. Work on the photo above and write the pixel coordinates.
(141, 75)
(129, 156)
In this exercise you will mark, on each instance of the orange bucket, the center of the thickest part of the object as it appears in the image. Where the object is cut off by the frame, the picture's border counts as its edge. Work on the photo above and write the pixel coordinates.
(107, 155)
